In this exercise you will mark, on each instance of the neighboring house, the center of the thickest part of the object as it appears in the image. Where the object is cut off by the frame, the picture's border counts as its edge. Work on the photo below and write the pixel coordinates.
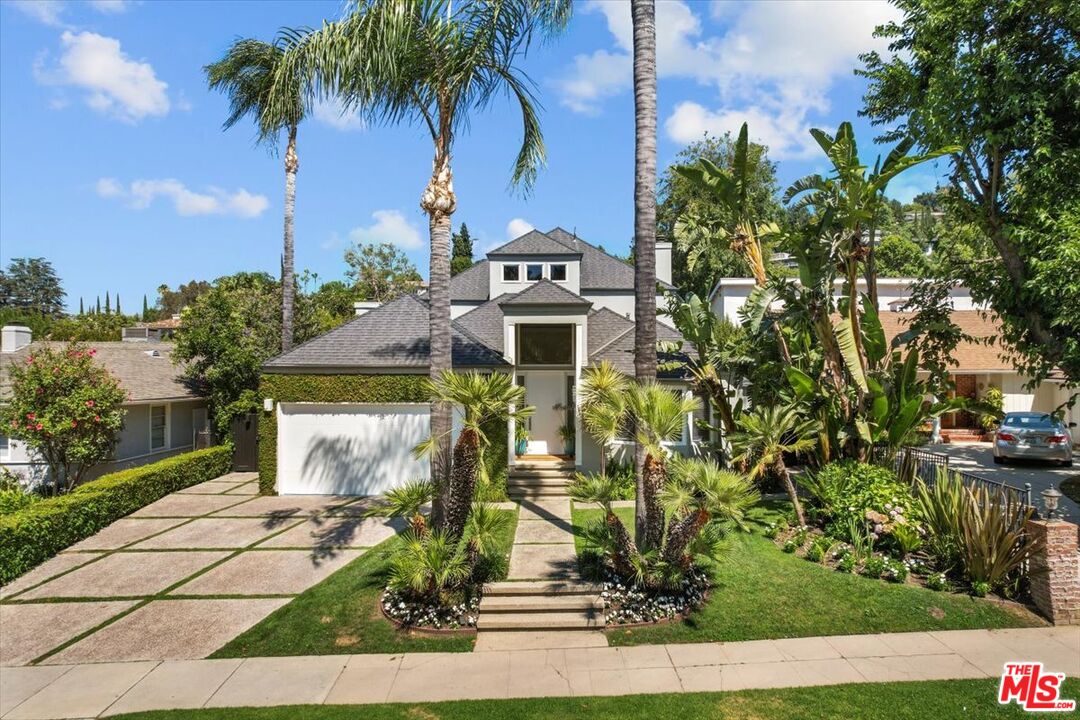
(163, 412)
(345, 409)
(980, 364)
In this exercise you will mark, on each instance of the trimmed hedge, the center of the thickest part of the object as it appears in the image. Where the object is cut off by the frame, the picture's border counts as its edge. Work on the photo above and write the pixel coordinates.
(326, 389)
(31, 536)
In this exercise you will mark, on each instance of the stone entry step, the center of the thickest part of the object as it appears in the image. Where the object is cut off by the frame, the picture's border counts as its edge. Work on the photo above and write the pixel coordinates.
(540, 603)
(582, 620)
(541, 587)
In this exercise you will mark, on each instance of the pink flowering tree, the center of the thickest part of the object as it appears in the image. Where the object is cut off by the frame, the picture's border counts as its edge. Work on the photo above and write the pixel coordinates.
(66, 408)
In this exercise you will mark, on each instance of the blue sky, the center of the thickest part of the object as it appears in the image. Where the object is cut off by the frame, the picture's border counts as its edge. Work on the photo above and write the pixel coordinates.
(113, 163)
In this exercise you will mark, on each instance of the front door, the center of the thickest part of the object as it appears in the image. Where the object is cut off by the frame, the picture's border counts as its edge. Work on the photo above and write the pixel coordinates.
(546, 391)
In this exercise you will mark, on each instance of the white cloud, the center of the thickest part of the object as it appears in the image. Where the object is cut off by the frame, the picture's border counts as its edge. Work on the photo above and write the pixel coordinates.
(215, 201)
(47, 12)
(331, 112)
(773, 63)
(110, 7)
(114, 83)
(517, 227)
(390, 226)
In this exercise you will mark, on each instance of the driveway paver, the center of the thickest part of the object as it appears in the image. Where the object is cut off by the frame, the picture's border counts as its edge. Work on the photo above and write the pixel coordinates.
(30, 630)
(125, 532)
(169, 630)
(48, 569)
(209, 533)
(284, 506)
(177, 505)
(126, 575)
(334, 531)
(270, 572)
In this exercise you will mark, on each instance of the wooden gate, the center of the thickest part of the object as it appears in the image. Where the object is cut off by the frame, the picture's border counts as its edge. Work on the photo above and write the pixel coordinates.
(245, 437)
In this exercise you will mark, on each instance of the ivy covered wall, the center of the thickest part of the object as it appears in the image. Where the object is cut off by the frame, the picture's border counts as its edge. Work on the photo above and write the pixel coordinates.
(325, 389)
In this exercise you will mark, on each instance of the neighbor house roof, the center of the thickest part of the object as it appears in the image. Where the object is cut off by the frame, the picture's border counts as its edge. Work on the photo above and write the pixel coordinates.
(544, 292)
(395, 335)
(145, 369)
(982, 354)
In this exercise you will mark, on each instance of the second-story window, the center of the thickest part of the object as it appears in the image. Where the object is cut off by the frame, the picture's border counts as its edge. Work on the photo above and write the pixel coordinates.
(511, 272)
(534, 272)
(558, 272)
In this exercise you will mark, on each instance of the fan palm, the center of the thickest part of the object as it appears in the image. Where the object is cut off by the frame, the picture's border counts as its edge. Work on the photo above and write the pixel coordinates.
(434, 62)
(768, 432)
(604, 490)
(659, 415)
(483, 398)
(602, 404)
(407, 501)
(261, 82)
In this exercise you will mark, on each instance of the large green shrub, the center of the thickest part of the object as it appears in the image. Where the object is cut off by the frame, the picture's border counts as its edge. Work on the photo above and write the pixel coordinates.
(32, 535)
(848, 490)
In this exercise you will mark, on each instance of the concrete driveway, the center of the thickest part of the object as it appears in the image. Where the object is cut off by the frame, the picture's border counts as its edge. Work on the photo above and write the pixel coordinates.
(978, 459)
(181, 577)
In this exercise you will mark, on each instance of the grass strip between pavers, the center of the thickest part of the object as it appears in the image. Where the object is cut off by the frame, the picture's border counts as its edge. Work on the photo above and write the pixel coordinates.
(938, 699)
(761, 592)
(341, 615)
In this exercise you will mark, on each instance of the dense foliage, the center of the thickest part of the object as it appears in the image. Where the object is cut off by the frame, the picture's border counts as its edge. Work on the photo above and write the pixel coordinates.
(31, 285)
(66, 408)
(32, 535)
(380, 272)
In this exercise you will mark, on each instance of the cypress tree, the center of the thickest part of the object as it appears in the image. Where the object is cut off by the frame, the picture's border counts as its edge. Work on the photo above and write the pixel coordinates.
(81, 310)
(108, 304)
(98, 310)
(118, 311)
(145, 309)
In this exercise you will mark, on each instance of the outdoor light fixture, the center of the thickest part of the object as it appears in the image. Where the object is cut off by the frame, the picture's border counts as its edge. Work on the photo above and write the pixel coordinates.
(1050, 498)
(268, 404)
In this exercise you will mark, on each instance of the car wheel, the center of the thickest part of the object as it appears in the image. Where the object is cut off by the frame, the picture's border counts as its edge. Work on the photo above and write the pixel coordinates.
(1067, 463)
(998, 460)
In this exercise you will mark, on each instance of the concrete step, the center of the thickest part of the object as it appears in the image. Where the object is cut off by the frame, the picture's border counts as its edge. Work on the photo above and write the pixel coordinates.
(537, 493)
(565, 466)
(580, 620)
(539, 479)
(540, 603)
(540, 474)
(541, 587)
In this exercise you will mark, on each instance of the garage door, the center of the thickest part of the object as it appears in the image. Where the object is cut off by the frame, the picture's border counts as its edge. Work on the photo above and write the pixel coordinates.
(349, 449)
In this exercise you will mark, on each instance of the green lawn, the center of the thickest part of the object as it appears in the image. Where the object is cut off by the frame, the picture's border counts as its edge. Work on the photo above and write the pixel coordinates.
(762, 592)
(341, 615)
(942, 700)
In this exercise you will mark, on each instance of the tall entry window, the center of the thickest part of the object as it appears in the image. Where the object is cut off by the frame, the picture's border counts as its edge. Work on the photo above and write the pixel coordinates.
(545, 345)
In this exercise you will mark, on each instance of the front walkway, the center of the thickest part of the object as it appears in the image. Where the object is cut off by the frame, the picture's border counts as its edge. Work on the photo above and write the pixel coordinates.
(181, 577)
(83, 691)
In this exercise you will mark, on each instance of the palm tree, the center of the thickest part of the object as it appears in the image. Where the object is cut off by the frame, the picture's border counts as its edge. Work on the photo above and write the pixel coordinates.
(603, 491)
(602, 403)
(407, 501)
(251, 73)
(434, 62)
(659, 415)
(765, 435)
(483, 398)
(643, 16)
(698, 493)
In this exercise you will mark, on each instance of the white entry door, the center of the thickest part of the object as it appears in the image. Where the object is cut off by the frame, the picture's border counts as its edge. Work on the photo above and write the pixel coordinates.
(545, 390)
(349, 449)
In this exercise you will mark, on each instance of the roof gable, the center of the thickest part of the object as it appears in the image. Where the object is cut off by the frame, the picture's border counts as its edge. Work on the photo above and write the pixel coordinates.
(533, 242)
(544, 292)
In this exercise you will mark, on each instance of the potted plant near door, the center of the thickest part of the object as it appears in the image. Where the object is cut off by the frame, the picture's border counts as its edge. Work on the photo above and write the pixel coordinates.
(521, 439)
(566, 432)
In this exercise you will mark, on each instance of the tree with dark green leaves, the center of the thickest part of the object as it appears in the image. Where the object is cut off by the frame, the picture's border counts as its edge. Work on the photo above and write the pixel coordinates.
(145, 309)
(461, 253)
(1002, 81)
(82, 311)
(31, 285)
(699, 256)
(897, 255)
(170, 302)
(97, 305)
(108, 304)
(118, 310)
(380, 272)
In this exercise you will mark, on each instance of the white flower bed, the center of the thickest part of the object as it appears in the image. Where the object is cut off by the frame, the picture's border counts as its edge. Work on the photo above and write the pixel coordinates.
(637, 604)
(415, 614)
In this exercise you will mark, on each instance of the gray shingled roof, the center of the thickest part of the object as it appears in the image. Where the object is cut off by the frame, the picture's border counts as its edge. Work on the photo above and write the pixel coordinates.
(620, 351)
(144, 377)
(604, 326)
(599, 271)
(534, 242)
(471, 285)
(485, 323)
(395, 335)
(544, 292)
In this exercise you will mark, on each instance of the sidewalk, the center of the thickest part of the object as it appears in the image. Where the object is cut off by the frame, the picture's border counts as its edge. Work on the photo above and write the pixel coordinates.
(83, 691)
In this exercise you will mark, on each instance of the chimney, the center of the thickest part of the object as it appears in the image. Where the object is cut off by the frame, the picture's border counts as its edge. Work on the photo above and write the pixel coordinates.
(663, 261)
(361, 307)
(15, 337)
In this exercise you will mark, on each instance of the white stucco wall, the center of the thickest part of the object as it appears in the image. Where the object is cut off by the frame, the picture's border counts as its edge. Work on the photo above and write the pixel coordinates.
(497, 286)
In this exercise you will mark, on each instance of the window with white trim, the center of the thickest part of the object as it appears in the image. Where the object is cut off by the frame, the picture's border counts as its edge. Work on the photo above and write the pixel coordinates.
(159, 427)
(558, 272)
(511, 272)
(534, 272)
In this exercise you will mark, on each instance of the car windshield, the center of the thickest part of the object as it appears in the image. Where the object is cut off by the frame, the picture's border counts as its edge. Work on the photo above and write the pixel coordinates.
(1042, 422)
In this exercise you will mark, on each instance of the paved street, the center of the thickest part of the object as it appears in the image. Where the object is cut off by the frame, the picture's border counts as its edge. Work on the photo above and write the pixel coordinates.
(978, 459)
(181, 577)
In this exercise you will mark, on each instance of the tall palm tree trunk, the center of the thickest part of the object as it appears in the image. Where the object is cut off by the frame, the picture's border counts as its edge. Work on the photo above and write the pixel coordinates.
(643, 13)
(439, 202)
(781, 469)
(288, 284)
(463, 482)
(654, 476)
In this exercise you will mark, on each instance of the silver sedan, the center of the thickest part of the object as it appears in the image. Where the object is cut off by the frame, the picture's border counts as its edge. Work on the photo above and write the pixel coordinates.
(1035, 436)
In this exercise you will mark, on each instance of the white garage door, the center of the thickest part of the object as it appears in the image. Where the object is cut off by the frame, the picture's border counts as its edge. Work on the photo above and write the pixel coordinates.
(349, 449)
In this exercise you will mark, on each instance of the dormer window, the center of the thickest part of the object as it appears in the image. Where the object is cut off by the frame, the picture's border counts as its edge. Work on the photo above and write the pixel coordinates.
(534, 272)
(558, 272)
(511, 272)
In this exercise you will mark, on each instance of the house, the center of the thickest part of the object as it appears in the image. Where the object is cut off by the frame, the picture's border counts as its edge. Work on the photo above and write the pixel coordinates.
(979, 364)
(344, 410)
(163, 412)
